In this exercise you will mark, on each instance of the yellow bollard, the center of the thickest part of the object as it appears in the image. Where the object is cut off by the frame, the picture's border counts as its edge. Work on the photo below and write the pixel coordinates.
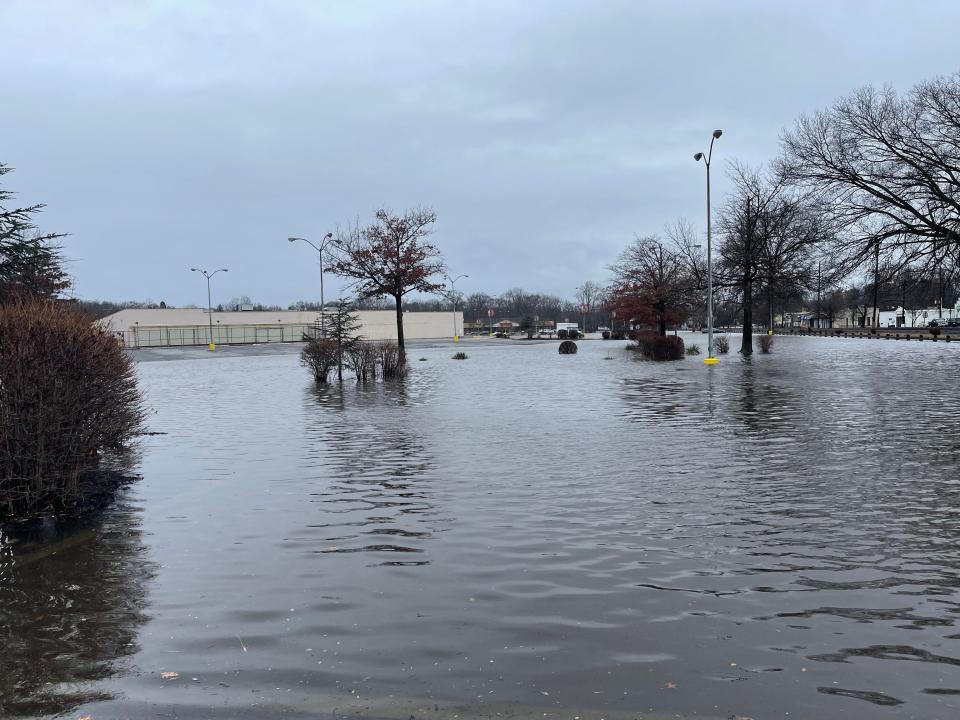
(456, 338)
(212, 347)
(711, 361)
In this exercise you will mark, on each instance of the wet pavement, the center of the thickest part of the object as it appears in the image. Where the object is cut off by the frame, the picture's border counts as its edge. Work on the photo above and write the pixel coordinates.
(518, 534)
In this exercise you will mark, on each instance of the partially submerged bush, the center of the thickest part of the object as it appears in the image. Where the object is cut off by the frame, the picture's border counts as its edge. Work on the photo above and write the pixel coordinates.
(459, 356)
(644, 340)
(68, 394)
(765, 343)
(722, 344)
(568, 347)
(389, 358)
(659, 347)
(693, 350)
(361, 357)
(665, 347)
(321, 356)
(935, 331)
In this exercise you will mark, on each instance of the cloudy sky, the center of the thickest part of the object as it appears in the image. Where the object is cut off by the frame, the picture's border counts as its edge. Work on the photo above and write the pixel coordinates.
(165, 134)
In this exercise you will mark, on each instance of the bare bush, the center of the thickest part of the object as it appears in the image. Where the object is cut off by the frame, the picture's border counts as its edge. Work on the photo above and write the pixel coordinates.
(722, 344)
(765, 343)
(320, 356)
(390, 359)
(68, 394)
(361, 357)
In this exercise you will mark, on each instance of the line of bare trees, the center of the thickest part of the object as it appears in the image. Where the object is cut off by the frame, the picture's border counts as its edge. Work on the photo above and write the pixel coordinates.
(863, 200)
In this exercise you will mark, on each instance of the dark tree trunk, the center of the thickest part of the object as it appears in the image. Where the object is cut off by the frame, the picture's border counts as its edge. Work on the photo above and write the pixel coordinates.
(746, 347)
(403, 352)
(663, 325)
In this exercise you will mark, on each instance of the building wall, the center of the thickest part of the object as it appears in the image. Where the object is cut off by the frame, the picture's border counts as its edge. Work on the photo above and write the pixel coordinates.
(163, 327)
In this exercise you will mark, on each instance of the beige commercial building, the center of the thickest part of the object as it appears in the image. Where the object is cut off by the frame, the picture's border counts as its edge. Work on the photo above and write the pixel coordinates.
(191, 326)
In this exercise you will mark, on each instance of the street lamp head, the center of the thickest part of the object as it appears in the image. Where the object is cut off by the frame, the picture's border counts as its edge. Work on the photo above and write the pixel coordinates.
(328, 236)
(194, 270)
(292, 239)
(717, 133)
(698, 157)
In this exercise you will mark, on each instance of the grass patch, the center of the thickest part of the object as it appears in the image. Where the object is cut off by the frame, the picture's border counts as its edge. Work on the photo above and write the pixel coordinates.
(459, 356)
(693, 350)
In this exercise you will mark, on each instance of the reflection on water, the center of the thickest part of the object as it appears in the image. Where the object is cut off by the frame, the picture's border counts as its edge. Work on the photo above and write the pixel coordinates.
(71, 602)
(525, 533)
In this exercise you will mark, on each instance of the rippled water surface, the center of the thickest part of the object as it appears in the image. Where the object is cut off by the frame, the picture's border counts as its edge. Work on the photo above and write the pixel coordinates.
(518, 534)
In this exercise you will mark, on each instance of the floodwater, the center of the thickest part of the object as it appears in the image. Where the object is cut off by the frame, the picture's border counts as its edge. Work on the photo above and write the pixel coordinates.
(520, 534)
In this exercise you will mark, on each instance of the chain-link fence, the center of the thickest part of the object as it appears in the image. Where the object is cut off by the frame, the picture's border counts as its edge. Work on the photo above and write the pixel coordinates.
(222, 335)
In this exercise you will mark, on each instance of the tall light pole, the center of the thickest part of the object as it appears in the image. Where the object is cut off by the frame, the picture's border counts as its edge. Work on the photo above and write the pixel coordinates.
(711, 359)
(327, 239)
(207, 275)
(453, 294)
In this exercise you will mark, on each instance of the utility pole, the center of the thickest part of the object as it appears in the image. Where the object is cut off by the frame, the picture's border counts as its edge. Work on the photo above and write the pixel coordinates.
(876, 282)
(819, 281)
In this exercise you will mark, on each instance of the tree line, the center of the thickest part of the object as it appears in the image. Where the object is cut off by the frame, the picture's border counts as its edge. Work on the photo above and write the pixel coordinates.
(861, 207)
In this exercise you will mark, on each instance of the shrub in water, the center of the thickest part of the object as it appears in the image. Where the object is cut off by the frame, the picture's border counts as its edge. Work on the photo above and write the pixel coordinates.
(459, 356)
(765, 342)
(693, 350)
(320, 356)
(361, 357)
(389, 358)
(68, 394)
(722, 344)
(665, 347)
(568, 347)
(644, 340)
(935, 331)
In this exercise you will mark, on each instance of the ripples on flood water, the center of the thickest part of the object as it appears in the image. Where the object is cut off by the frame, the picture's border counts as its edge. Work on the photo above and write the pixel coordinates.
(520, 533)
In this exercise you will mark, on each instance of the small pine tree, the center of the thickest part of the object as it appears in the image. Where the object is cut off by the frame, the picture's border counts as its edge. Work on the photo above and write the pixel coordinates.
(30, 261)
(341, 327)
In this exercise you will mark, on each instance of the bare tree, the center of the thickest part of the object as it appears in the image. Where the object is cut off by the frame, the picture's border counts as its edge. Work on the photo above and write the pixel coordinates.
(588, 295)
(887, 168)
(391, 257)
(767, 234)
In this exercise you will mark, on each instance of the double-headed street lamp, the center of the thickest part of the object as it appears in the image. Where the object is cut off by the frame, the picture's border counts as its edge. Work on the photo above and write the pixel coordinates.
(207, 275)
(453, 295)
(327, 239)
(711, 359)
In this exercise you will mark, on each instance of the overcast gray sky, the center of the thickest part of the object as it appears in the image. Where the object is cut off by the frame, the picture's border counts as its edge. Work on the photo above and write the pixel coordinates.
(167, 134)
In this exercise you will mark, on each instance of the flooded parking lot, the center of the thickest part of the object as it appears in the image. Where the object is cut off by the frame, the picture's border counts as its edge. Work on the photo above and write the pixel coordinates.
(517, 534)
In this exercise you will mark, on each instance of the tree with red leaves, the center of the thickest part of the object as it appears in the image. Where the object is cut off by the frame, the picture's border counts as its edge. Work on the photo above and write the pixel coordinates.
(390, 258)
(653, 283)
